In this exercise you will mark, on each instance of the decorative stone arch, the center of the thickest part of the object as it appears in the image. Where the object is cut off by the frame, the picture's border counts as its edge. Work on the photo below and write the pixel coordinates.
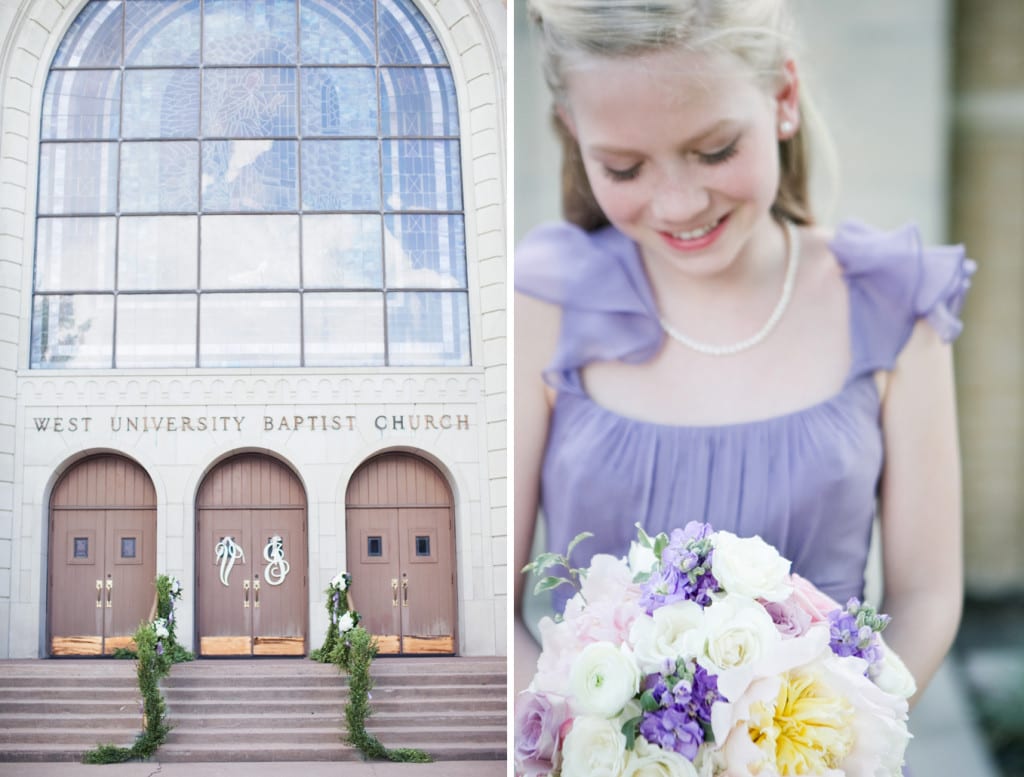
(400, 535)
(102, 555)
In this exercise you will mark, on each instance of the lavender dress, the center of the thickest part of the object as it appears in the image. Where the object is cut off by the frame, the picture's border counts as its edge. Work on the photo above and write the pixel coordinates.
(805, 481)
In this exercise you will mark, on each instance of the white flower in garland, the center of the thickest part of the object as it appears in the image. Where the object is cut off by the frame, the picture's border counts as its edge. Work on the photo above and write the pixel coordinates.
(160, 627)
(340, 581)
(345, 622)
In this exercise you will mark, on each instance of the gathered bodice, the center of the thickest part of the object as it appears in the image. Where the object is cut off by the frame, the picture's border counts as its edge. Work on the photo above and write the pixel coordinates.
(805, 481)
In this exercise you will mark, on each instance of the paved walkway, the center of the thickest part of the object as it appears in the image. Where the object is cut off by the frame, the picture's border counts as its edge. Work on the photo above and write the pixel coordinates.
(280, 769)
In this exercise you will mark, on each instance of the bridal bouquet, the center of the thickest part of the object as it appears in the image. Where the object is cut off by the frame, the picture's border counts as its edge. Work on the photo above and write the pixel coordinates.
(701, 655)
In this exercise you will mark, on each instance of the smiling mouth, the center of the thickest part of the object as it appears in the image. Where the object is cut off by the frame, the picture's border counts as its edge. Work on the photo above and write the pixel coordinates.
(695, 234)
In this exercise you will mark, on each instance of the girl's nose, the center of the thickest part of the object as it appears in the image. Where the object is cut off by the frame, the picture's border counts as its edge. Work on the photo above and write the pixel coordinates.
(679, 198)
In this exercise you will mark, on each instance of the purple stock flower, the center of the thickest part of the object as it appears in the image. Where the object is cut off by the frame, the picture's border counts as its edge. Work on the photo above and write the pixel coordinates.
(672, 729)
(159, 648)
(684, 572)
(854, 631)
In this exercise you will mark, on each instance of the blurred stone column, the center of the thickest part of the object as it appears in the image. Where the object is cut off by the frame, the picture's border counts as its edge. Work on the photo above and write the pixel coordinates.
(987, 200)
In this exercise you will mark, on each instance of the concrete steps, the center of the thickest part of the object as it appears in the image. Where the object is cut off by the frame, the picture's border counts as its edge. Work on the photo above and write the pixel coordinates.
(254, 710)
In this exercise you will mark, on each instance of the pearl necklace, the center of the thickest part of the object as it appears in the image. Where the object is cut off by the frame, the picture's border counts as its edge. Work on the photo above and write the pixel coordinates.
(793, 241)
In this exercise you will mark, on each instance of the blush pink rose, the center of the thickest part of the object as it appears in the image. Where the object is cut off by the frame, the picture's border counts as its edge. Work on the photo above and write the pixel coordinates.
(808, 598)
(540, 718)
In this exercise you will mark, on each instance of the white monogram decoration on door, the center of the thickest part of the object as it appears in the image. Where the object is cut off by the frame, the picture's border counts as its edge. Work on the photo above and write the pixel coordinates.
(228, 551)
(277, 568)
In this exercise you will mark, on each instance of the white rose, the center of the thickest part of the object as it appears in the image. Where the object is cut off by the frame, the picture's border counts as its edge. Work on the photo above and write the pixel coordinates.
(594, 747)
(160, 627)
(603, 678)
(892, 675)
(751, 567)
(339, 580)
(345, 622)
(660, 639)
(649, 760)
(641, 559)
(710, 761)
(736, 632)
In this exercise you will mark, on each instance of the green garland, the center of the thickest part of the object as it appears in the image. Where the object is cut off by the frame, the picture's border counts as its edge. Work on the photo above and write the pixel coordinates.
(156, 650)
(342, 620)
(153, 663)
(363, 649)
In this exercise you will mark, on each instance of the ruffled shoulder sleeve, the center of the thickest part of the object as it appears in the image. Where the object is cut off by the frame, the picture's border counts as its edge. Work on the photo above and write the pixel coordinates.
(894, 281)
(598, 281)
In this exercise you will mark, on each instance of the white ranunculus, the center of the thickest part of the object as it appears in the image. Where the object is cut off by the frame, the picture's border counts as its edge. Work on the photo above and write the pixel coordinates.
(603, 678)
(345, 623)
(736, 631)
(594, 747)
(649, 760)
(751, 567)
(658, 640)
(641, 559)
(892, 675)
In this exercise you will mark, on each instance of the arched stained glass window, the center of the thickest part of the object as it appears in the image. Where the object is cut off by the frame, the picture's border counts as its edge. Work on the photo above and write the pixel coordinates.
(241, 183)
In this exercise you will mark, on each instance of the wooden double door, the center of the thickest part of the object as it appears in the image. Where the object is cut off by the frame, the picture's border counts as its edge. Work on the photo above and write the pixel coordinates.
(102, 564)
(251, 559)
(400, 539)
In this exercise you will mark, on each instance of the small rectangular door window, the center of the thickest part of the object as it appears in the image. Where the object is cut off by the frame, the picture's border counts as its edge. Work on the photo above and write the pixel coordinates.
(422, 545)
(374, 546)
(81, 547)
(128, 547)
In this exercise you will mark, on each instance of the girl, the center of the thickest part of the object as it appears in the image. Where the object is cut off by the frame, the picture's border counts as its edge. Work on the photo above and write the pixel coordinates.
(690, 346)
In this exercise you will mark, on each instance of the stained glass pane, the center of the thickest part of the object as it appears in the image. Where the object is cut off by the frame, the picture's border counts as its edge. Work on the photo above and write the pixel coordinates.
(82, 104)
(337, 33)
(75, 254)
(77, 177)
(406, 37)
(339, 101)
(428, 328)
(344, 329)
(250, 252)
(72, 331)
(425, 251)
(340, 175)
(418, 102)
(248, 102)
(162, 32)
(249, 32)
(94, 37)
(156, 330)
(157, 252)
(159, 177)
(249, 330)
(241, 175)
(342, 251)
(161, 103)
(422, 175)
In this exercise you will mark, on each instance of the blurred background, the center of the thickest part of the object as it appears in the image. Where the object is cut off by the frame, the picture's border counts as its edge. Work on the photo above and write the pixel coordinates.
(924, 100)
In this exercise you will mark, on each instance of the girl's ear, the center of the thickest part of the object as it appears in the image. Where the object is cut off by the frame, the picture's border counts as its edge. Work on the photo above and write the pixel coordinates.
(787, 101)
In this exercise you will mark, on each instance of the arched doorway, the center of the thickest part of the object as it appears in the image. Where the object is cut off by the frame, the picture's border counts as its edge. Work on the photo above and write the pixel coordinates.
(102, 556)
(251, 582)
(401, 550)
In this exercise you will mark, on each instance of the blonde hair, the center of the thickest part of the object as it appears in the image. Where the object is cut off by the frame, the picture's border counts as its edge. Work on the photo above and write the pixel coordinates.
(759, 32)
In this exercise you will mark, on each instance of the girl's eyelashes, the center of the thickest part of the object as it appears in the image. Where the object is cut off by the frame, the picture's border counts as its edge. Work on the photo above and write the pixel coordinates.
(722, 155)
(622, 175)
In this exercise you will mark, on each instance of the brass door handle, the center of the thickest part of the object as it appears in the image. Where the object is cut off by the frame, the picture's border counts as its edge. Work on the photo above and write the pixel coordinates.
(245, 594)
(405, 590)
(99, 594)
(394, 592)
(256, 594)
(110, 593)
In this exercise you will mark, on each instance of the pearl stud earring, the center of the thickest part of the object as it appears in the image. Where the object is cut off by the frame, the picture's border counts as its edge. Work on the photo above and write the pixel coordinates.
(786, 127)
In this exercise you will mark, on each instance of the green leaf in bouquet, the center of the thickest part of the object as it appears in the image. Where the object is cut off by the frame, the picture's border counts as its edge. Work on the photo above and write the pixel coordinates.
(545, 561)
(648, 702)
(577, 540)
(660, 543)
(629, 729)
(643, 537)
(549, 584)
